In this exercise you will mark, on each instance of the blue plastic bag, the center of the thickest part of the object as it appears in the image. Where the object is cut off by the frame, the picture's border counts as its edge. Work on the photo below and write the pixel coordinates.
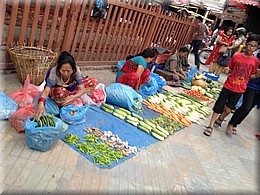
(149, 88)
(41, 138)
(74, 115)
(51, 107)
(193, 70)
(7, 106)
(160, 81)
(124, 96)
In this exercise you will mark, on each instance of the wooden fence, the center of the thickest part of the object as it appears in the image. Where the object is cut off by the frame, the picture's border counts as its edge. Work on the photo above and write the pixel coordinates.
(127, 28)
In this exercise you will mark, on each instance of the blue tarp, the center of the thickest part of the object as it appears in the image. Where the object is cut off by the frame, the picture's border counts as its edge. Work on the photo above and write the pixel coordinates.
(107, 122)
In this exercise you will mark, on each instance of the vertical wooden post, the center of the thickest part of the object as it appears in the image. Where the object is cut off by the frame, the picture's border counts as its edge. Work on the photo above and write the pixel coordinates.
(71, 25)
(2, 16)
(147, 41)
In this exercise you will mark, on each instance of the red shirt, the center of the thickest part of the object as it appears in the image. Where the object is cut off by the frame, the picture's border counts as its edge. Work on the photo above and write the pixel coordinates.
(241, 68)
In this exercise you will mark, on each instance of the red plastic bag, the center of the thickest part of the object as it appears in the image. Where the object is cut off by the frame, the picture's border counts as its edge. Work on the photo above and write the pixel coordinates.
(18, 117)
(89, 82)
(97, 95)
(31, 89)
(22, 98)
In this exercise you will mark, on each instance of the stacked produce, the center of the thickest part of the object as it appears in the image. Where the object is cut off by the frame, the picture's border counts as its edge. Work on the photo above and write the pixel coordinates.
(205, 86)
(168, 124)
(45, 121)
(187, 109)
(196, 94)
(172, 114)
(137, 121)
(198, 80)
(102, 147)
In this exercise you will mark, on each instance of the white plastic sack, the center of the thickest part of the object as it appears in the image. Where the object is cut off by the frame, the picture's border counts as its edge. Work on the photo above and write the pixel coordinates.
(88, 101)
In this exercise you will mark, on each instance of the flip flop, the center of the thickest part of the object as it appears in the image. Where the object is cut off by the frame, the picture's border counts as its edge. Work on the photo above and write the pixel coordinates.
(218, 122)
(234, 131)
(208, 131)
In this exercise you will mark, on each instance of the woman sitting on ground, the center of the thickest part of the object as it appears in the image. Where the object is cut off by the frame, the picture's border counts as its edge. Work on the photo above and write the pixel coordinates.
(63, 84)
(134, 73)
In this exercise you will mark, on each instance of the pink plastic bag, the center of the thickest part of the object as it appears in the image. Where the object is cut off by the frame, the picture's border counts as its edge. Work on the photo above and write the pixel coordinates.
(22, 98)
(18, 117)
(31, 89)
(96, 96)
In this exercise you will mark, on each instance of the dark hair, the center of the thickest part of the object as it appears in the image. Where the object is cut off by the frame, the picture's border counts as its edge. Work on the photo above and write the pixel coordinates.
(184, 49)
(227, 29)
(253, 37)
(147, 53)
(64, 58)
(199, 18)
(129, 57)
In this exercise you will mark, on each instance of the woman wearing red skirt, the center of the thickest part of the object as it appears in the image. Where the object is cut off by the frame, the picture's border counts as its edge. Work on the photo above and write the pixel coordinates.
(134, 73)
(224, 38)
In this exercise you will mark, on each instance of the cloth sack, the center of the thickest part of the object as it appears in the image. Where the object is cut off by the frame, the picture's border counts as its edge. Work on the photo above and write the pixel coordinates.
(222, 49)
(224, 59)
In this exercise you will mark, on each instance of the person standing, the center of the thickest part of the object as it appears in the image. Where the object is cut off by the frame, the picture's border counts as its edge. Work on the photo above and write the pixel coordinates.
(227, 39)
(250, 99)
(242, 67)
(200, 32)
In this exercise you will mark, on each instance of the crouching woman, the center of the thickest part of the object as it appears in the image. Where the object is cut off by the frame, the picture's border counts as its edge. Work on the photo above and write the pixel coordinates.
(63, 84)
(134, 73)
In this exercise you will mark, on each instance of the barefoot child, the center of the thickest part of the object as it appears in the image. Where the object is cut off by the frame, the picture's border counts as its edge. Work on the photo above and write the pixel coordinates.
(242, 67)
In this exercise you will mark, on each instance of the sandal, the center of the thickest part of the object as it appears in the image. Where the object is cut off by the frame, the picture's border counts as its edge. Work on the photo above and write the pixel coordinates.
(208, 131)
(234, 131)
(218, 122)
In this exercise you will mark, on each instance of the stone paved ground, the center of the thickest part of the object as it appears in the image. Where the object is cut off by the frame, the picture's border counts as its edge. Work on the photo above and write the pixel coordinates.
(185, 163)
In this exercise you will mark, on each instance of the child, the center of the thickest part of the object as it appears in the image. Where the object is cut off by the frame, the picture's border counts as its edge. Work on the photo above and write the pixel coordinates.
(250, 99)
(242, 67)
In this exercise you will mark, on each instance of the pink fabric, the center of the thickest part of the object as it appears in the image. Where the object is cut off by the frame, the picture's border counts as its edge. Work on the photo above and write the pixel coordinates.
(214, 55)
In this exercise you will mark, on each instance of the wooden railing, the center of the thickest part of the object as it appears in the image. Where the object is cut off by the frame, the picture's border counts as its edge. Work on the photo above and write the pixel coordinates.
(128, 28)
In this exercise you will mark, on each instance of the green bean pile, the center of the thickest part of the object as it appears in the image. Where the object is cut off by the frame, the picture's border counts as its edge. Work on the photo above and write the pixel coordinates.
(101, 153)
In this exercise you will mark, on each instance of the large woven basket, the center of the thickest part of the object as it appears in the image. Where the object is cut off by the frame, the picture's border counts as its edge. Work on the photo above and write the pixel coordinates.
(32, 60)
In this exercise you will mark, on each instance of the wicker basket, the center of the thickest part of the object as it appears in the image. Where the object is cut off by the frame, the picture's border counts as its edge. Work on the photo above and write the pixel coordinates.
(32, 60)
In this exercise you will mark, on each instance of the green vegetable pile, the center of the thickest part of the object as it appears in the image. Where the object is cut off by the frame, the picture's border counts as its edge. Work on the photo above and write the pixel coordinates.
(101, 152)
(45, 121)
(168, 124)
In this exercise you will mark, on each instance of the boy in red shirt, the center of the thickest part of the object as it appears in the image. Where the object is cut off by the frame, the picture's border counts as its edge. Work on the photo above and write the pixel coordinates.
(242, 67)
